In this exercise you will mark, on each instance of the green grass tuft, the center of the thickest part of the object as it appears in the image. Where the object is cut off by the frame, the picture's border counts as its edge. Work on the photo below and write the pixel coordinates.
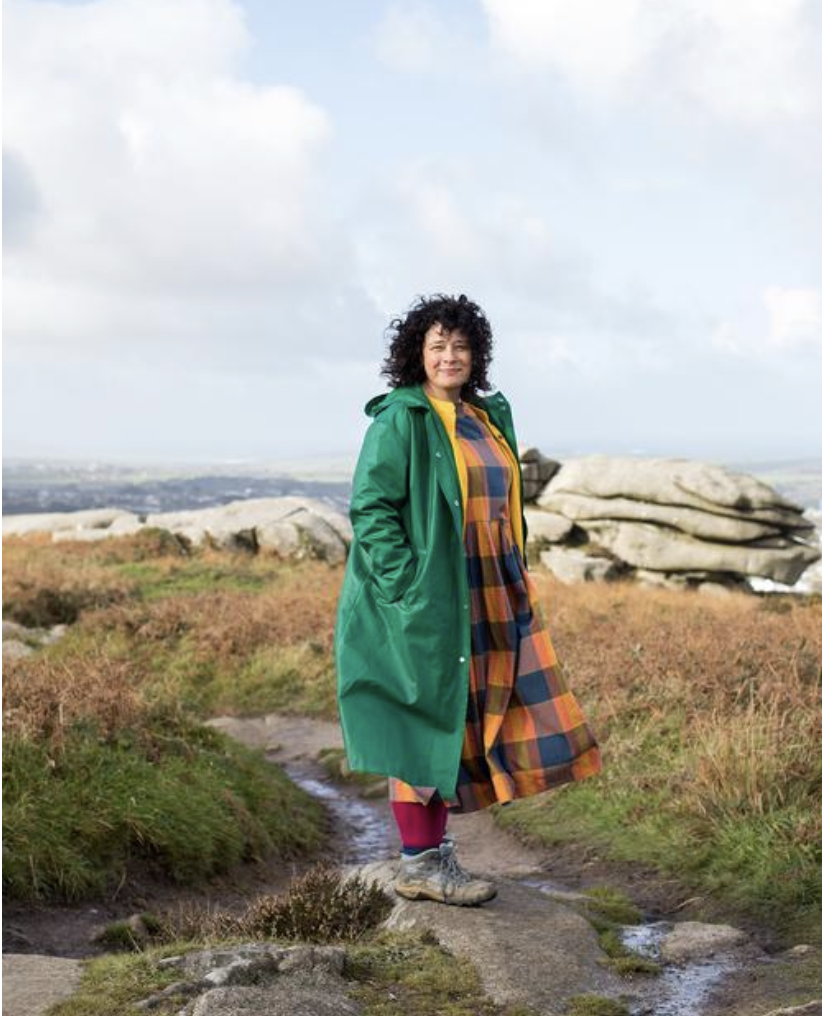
(111, 985)
(186, 799)
(595, 1005)
(614, 904)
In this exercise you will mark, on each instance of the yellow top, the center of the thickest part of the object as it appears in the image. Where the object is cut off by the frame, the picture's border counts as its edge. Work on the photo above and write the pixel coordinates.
(448, 414)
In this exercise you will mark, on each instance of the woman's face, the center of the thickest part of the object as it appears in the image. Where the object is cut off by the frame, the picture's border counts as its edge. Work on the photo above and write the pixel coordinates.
(446, 357)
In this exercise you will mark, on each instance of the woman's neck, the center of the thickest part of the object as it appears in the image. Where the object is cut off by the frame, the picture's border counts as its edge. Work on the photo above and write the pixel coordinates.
(445, 394)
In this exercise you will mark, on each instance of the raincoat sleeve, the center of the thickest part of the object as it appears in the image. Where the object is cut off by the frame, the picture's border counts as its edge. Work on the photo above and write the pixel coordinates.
(379, 490)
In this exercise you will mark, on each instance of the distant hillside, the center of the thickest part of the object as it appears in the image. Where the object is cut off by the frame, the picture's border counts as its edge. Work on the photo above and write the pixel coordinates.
(47, 486)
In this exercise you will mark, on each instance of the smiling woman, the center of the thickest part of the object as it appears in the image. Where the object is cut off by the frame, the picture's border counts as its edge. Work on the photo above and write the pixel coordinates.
(447, 679)
(446, 359)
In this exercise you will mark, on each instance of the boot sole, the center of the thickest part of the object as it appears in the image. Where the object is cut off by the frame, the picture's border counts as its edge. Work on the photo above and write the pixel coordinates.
(418, 893)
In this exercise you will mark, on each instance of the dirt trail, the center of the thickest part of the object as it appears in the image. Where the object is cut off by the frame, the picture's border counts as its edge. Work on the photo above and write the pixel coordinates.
(530, 921)
(295, 742)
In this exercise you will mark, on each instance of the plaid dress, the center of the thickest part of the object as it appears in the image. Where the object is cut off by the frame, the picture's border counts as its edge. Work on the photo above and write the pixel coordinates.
(524, 729)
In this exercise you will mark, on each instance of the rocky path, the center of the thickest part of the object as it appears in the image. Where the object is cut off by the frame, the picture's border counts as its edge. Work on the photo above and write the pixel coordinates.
(531, 944)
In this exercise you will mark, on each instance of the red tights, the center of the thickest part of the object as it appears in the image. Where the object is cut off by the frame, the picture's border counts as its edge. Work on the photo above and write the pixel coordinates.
(421, 826)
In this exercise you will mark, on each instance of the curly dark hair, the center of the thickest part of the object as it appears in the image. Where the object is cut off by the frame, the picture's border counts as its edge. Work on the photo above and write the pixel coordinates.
(403, 365)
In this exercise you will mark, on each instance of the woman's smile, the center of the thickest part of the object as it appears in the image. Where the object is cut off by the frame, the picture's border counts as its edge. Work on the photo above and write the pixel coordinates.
(446, 357)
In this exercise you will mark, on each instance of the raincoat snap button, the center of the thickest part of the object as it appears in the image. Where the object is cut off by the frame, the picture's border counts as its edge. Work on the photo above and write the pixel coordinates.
(462, 659)
(438, 454)
(456, 500)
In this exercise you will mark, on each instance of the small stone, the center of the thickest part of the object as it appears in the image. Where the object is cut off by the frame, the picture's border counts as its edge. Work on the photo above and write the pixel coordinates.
(813, 1008)
(375, 790)
(692, 940)
(172, 990)
(171, 961)
(801, 949)
(15, 650)
(312, 957)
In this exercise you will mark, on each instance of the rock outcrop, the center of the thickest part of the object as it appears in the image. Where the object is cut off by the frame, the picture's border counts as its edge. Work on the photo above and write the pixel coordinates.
(677, 523)
(529, 949)
(287, 526)
(672, 522)
(300, 980)
(20, 641)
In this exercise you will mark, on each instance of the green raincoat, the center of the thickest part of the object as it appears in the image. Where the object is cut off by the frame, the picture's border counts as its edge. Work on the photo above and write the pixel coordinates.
(402, 640)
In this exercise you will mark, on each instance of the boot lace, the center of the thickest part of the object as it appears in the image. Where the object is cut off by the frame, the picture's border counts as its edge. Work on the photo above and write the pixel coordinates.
(453, 874)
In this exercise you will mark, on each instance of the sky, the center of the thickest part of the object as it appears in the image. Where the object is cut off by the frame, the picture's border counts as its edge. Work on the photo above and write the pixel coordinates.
(213, 209)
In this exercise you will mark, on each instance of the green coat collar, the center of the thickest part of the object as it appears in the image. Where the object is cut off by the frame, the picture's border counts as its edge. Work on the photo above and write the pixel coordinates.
(495, 405)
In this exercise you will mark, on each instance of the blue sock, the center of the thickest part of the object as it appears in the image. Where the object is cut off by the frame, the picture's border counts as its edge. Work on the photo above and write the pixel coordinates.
(413, 851)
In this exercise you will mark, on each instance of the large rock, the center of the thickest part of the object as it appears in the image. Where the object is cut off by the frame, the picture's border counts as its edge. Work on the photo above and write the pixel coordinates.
(537, 470)
(529, 949)
(570, 565)
(672, 481)
(54, 522)
(290, 526)
(33, 983)
(647, 546)
(708, 525)
(546, 527)
(262, 979)
(692, 523)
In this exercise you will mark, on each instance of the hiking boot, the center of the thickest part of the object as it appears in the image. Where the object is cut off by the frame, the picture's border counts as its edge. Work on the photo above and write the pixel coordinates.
(436, 874)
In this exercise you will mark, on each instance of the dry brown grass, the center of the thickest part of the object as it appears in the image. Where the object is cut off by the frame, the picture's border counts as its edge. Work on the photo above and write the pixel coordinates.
(42, 697)
(46, 584)
(321, 905)
(648, 651)
(226, 623)
(735, 680)
(725, 691)
(127, 653)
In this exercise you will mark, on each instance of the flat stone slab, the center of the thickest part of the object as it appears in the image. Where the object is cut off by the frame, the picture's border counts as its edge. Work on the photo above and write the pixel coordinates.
(528, 948)
(32, 983)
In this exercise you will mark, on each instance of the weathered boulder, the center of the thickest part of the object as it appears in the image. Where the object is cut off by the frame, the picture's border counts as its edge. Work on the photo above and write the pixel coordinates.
(546, 526)
(646, 546)
(570, 565)
(260, 978)
(692, 524)
(520, 931)
(124, 525)
(723, 527)
(672, 481)
(704, 581)
(19, 641)
(289, 526)
(537, 470)
(54, 522)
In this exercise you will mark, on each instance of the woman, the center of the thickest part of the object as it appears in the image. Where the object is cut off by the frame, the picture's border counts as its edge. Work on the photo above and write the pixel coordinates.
(447, 679)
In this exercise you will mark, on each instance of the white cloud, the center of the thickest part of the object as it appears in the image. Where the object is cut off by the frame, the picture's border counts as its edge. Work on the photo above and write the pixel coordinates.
(435, 229)
(169, 199)
(788, 323)
(749, 62)
(408, 36)
(795, 317)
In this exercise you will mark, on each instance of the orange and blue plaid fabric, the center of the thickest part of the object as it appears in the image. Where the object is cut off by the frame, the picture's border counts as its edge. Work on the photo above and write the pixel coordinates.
(524, 729)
